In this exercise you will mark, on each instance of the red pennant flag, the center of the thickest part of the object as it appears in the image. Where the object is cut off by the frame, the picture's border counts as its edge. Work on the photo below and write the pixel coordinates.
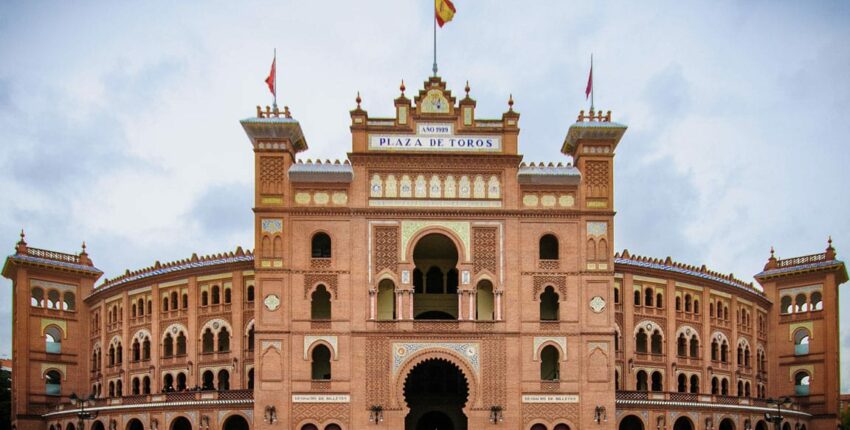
(270, 80)
(589, 88)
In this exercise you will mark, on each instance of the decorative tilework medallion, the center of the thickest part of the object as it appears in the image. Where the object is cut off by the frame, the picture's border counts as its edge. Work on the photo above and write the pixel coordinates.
(597, 304)
(272, 302)
(272, 225)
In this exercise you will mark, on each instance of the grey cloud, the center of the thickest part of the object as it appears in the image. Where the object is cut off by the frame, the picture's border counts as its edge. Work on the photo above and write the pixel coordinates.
(224, 209)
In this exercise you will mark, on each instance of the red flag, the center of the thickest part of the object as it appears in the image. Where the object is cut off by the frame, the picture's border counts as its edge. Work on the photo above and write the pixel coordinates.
(270, 80)
(589, 88)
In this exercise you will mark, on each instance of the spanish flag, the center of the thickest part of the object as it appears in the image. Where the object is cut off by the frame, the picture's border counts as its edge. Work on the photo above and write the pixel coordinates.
(444, 11)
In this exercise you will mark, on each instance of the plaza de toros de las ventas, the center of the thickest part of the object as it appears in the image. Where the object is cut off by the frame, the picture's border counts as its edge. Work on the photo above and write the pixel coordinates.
(431, 279)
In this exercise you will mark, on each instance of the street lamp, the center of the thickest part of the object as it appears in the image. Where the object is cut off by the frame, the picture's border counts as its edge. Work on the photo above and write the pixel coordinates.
(496, 414)
(777, 419)
(82, 414)
(376, 414)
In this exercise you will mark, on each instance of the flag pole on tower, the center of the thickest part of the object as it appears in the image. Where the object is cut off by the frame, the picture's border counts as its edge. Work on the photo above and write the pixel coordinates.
(588, 92)
(444, 11)
(271, 80)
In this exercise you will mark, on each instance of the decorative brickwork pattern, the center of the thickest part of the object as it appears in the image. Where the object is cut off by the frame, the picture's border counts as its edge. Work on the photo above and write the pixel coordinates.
(378, 371)
(549, 412)
(272, 174)
(320, 412)
(557, 281)
(386, 248)
(494, 391)
(597, 178)
(329, 280)
(484, 249)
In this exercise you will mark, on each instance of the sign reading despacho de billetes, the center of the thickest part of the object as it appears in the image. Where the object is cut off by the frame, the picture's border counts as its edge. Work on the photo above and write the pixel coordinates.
(550, 398)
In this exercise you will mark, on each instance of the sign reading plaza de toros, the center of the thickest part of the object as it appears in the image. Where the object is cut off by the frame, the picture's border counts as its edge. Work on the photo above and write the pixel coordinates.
(434, 137)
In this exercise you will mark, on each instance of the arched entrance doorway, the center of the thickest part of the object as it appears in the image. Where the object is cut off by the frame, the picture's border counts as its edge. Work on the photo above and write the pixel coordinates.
(726, 424)
(235, 422)
(761, 425)
(435, 278)
(436, 392)
(97, 425)
(683, 423)
(631, 422)
(181, 423)
(135, 424)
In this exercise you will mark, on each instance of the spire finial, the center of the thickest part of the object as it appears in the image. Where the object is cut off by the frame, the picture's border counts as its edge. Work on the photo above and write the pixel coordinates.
(771, 251)
(467, 88)
(402, 87)
(358, 100)
(511, 103)
(84, 247)
(829, 241)
(830, 251)
(22, 235)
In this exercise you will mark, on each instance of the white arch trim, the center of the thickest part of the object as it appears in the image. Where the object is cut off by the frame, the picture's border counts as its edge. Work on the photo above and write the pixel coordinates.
(330, 340)
(142, 334)
(648, 327)
(560, 342)
(215, 325)
(719, 336)
(175, 329)
(688, 331)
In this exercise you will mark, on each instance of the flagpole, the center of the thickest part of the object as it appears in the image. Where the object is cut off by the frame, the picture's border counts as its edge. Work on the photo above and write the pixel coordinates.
(591, 86)
(275, 79)
(435, 42)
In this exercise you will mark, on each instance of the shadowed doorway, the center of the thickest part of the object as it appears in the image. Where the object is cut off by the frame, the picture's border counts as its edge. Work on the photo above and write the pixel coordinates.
(436, 392)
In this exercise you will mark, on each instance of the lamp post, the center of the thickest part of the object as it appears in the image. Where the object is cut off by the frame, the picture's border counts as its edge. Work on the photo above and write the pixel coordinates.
(82, 414)
(777, 419)
(496, 414)
(376, 414)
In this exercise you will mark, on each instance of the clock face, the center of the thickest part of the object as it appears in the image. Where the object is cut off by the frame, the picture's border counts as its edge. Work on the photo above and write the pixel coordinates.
(435, 102)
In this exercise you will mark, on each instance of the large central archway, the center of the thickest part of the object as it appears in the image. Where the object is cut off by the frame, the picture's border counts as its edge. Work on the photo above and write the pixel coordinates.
(435, 278)
(436, 392)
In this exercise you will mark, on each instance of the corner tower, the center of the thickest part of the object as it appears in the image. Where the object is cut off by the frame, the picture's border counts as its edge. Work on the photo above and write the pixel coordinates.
(804, 292)
(276, 138)
(49, 329)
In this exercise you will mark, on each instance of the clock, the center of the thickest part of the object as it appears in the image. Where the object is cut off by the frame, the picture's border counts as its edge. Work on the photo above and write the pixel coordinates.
(435, 102)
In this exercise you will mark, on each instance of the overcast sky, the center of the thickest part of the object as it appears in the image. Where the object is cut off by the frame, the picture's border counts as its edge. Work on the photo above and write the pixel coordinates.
(119, 121)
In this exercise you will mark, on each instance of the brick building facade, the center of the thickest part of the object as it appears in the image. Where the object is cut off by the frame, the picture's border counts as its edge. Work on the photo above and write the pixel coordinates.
(430, 280)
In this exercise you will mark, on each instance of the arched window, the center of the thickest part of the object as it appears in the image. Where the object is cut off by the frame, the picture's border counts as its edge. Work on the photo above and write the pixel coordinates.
(320, 305)
(800, 304)
(747, 356)
(647, 297)
(208, 380)
(747, 391)
(146, 385)
(223, 380)
(617, 295)
(694, 384)
(657, 381)
(185, 300)
(111, 388)
(146, 349)
(320, 246)
(251, 338)
(682, 345)
(181, 381)
(249, 294)
(711, 309)
(641, 341)
(659, 300)
(740, 388)
(678, 303)
(205, 298)
(740, 356)
(227, 296)
(251, 379)
(637, 297)
(168, 383)
(215, 295)
(801, 342)
(208, 341)
(687, 302)
(549, 364)
(549, 305)
(68, 302)
(386, 300)
(548, 247)
(715, 350)
(37, 298)
(484, 300)
(119, 388)
(434, 281)
(724, 352)
(785, 305)
(119, 354)
(320, 366)
(696, 306)
(164, 305)
(642, 381)
(167, 346)
(223, 340)
(174, 303)
(53, 340)
(616, 380)
(715, 386)
(133, 310)
(53, 299)
(181, 343)
(724, 387)
(53, 383)
(135, 387)
(136, 351)
(817, 301)
(682, 385)
(141, 306)
(656, 341)
(694, 347)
